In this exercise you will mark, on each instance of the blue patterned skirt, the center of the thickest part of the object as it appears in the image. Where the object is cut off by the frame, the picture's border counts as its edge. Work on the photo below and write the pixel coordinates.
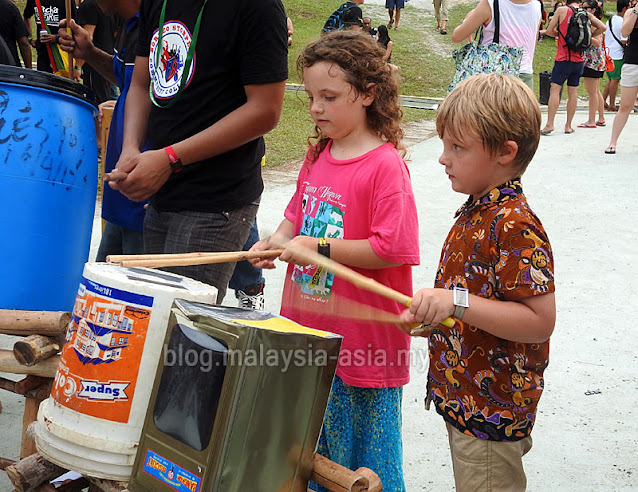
(362, 427)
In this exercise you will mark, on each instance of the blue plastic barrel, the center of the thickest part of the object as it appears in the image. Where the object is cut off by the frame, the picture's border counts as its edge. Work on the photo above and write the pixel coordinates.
(48, 183)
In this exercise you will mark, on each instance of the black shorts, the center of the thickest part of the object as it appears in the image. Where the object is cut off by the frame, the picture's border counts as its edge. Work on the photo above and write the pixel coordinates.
(592, 74)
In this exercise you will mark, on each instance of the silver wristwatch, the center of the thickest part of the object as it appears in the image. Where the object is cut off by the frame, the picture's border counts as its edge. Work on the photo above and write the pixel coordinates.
(461, 302)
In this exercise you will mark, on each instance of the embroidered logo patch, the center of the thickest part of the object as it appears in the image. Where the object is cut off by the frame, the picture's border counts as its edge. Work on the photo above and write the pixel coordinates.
(167, 74)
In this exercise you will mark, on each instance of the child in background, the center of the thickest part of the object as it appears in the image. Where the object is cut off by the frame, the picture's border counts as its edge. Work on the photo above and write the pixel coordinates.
(354, 203)
(385, 41)
(496, 278)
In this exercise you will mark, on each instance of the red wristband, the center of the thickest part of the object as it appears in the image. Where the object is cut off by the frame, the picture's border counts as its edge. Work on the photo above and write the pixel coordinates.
(176, 162)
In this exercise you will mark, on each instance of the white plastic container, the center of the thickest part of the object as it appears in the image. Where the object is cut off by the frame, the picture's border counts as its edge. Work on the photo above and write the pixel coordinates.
(93, 419)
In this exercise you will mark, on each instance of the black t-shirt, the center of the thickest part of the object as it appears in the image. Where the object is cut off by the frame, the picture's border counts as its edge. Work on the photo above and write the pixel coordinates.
(6, 58)
(631, 49)
(11, 27)
(53, 11)
(103, 37)
(241, 42)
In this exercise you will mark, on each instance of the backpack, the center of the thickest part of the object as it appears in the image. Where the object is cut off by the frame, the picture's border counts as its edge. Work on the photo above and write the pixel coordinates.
(335, 21)
(578, 35)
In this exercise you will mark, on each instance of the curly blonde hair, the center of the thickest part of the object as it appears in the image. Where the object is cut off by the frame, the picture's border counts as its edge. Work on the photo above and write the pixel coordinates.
(361, 59)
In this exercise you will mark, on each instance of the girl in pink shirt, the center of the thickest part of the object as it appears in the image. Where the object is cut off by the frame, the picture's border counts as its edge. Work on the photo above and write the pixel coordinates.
(354, 202)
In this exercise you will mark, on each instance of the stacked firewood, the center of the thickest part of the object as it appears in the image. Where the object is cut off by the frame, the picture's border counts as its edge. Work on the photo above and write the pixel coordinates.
(35, 356)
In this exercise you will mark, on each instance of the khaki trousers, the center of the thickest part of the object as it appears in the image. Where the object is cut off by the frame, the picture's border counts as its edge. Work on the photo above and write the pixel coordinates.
(487, 466)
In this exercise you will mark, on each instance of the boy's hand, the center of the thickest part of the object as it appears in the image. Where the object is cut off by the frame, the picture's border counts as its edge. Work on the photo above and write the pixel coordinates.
(429, 306)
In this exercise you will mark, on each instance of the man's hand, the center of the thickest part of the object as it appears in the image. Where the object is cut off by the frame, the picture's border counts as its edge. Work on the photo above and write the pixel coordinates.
(48, 38)
(147, 173)
(79, 42)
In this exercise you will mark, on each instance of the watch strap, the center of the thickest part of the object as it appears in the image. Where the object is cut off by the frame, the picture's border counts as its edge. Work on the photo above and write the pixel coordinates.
(459, 311)
(175, 162)
(323, 248)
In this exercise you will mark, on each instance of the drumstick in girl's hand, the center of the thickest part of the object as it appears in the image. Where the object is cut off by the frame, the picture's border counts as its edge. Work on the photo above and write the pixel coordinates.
(358, 280)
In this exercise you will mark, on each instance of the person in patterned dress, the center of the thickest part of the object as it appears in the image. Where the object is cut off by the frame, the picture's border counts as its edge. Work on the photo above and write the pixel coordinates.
(495, 278)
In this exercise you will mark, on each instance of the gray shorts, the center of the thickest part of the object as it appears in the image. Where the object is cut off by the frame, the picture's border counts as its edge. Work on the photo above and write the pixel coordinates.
(190, 232)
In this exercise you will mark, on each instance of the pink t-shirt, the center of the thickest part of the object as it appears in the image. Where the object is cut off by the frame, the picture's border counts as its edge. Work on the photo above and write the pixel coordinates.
(368, 197)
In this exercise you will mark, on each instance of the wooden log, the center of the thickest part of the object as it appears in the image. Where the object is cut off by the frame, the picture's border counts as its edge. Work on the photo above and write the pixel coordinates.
(16, 322)
(108, 485)
(338, 478)
(32, 471)
(76, 485)
(31, 406)
(31, 383)
(374, 482)
(23, 386)
(35, 348)
(4, 462)
(45, 487)
(45, 369)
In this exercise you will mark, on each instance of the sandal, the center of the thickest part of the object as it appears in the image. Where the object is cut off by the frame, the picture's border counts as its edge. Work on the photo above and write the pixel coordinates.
(390, 24)
(443, 31)
(610, 150)
(586, 125)
(601, 123)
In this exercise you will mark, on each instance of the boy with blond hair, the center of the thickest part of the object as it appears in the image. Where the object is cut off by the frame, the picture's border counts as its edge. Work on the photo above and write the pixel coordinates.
(495, 278)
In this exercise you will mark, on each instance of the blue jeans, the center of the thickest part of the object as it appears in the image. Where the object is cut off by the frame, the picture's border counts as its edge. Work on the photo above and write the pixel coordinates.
(245, 274)
(118, 240)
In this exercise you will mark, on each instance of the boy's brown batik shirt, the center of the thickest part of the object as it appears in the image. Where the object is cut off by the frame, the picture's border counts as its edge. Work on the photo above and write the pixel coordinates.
(483, 385)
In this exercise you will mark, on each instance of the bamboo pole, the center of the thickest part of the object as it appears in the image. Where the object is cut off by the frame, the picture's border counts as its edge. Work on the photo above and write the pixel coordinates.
(67, 6)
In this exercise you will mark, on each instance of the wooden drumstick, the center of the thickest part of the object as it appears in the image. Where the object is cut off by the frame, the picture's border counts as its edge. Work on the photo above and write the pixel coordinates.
(187, 259)
(115, 176)
(357, 279)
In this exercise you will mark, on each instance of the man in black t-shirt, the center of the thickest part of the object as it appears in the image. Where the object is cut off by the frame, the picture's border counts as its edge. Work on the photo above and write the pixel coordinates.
(53, 11)
(203, 174)
(5, 55)
(102, 30)
(14, 32)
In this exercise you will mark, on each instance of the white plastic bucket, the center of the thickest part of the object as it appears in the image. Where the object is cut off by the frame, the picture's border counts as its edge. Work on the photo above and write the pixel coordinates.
(93, 419)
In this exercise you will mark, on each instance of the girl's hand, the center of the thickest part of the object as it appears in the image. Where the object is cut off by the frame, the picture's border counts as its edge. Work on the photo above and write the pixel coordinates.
(263, 245)
(307, 242)
(430, 307)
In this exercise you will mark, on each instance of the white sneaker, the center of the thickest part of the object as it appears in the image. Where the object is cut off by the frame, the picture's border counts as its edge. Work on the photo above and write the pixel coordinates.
(252, 297)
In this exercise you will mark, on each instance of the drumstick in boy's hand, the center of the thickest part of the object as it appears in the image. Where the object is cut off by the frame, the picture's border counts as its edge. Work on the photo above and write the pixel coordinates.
(359, 280)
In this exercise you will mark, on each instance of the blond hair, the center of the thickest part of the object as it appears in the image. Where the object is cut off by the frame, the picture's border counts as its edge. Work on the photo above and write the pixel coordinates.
(361, 59)
(493, 108)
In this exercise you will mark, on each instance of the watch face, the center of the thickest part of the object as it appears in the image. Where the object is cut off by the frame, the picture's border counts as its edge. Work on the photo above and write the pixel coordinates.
(461, 297)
